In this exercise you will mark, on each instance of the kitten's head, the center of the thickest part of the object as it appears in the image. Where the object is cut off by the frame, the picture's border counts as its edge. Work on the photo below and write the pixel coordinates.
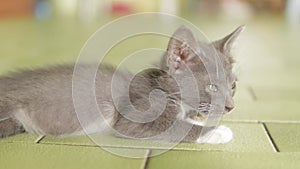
(185, 56)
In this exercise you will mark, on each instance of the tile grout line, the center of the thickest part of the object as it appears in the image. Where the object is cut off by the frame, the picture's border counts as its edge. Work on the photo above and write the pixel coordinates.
(279, 122)
(271, 138)
(252, 93)
(146, 163)
(241, 121)
(261, 121)
(127, 147)
(39, 139)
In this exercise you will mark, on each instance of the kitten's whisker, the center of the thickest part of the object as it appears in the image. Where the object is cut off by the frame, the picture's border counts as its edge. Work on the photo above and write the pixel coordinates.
(171, 94)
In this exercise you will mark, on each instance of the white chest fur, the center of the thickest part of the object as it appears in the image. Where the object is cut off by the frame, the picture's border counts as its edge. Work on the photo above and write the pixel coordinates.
(220, 135)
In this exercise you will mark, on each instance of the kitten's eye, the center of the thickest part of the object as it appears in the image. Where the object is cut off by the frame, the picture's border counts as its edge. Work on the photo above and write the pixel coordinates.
(233, 88)
(212, 88)
(233, 85)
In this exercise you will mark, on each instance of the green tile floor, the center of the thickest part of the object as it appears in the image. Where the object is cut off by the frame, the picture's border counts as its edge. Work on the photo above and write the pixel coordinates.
(265, 122)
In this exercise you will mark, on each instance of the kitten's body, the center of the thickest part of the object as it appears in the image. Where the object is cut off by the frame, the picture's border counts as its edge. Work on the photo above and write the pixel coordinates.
(41, 101)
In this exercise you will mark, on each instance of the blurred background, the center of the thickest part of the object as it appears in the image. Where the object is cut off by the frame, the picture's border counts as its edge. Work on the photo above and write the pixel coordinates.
(42, 32)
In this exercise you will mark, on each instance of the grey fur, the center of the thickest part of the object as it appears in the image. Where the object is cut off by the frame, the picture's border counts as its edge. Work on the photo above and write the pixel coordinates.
(40, 100)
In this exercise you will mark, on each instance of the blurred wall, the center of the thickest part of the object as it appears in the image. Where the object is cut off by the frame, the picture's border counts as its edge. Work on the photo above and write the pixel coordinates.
(9, 8)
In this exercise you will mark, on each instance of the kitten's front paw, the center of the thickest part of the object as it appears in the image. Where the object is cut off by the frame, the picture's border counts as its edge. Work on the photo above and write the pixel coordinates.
(220, 135)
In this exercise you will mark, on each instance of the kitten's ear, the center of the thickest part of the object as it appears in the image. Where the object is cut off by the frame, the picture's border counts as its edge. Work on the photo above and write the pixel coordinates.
(179, 47)
(225, 44)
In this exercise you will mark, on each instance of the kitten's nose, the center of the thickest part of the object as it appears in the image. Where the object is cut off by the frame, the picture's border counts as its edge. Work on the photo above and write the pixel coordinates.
(228, 109)
(229, 105)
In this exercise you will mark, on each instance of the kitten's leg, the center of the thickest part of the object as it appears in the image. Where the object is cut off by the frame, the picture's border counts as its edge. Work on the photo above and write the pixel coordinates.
(9, 126)
(213, 135)
(197, 134)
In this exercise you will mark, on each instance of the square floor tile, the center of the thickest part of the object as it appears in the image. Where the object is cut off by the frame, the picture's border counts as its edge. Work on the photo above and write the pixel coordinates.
(281, 79)
(27, 138)
(220, 160)
(265, 93)
(275, 110)
(29, 156)
(76, 140)
(243, 93)
(285, 136)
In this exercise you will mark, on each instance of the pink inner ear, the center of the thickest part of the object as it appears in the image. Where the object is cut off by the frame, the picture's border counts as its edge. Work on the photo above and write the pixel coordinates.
(179, 47)
(176, 65)
(174, 59)
(178, 53)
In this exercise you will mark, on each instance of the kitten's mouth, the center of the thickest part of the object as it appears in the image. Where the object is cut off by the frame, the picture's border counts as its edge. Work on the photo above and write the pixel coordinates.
(196, 117)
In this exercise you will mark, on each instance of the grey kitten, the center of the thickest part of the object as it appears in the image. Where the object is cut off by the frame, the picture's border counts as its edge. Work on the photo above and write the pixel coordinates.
(40, 101)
